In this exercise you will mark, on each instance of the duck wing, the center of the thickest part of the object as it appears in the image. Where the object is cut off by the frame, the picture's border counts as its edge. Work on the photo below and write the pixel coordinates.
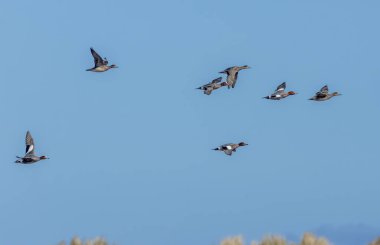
(212, 83)
(97, 59)
(208, 91)
(279, 91)
(29, 142)
(226, 146)
(228, 152)
(323, 92)
(228, 70)
(281, 87)
(217, 80)
(235, 77)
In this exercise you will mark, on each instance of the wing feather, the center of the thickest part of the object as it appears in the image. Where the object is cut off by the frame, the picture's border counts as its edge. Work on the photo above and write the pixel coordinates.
(228, 152)
(217, 80)
(29, 142)
(235, 79)
(97, 59)
(323, 92)
(281, 87)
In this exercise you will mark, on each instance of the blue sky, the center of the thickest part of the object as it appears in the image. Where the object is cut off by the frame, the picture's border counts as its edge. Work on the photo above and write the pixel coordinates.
(130, 149)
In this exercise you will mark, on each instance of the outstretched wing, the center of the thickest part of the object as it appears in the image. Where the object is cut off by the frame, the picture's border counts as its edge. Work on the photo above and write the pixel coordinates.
(217, 80)
(29, 144)
(324, 89)
(235, 76)
(281, 87)
(97, 59)
(208, 91)
(278, 92)
(227, 70)
(228, 152)
(323, 92)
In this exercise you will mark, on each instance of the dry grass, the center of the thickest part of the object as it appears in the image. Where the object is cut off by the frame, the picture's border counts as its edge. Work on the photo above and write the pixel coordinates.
(77, 241)
(310, 239)
(273, 240)
(307, 239)
(236, 240)
(376, 242)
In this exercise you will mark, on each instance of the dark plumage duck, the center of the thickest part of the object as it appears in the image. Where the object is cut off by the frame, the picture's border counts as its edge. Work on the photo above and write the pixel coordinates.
(101, 65)
(213, 85)
(232, 74)
(29, 152)
(324, 94)
(280, 93)
(229, 148)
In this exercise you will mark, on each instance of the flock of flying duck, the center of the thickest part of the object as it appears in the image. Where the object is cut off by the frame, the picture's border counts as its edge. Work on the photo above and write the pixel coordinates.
(280, 93)
(101, 65)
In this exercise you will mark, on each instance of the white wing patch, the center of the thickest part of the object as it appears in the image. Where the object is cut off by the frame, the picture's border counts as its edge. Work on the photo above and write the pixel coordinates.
(31, 147)
(229, 147)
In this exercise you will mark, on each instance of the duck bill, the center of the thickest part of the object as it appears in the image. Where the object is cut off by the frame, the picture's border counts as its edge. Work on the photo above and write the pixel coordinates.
(216, 149)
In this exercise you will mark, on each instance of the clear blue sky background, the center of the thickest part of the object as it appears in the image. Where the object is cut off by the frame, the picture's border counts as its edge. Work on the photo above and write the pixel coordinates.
(130, 149)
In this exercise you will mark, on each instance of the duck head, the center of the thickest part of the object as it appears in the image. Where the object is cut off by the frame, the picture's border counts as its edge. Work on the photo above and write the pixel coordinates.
(44, 157)
(336, 94)
(244, 67)
(291, 93)
(113, 66)
(242, 144)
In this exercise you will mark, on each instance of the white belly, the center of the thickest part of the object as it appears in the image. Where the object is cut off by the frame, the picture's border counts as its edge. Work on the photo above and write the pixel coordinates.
(101, 68)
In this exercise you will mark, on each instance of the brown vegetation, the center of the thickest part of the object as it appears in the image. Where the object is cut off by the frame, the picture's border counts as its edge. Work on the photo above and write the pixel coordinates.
(307, 239)
(376, 242)
(77, 241)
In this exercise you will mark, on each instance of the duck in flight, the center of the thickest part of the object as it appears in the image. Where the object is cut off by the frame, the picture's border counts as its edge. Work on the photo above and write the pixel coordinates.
(29, 152)
(280, 93)
(213, 85)
(232, 74)
(324, 94)
(101, 65)
(229, 148)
